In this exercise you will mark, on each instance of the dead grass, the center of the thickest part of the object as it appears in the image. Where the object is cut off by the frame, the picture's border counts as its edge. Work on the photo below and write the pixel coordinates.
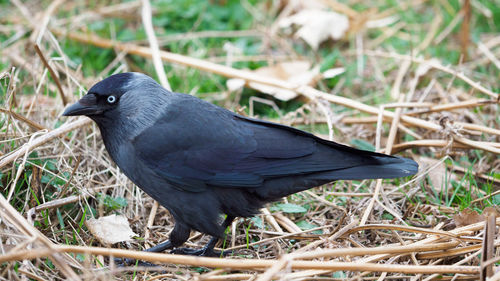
(55, 172)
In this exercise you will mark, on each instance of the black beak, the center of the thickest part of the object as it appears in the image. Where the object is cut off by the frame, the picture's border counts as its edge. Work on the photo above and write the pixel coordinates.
(85, 106)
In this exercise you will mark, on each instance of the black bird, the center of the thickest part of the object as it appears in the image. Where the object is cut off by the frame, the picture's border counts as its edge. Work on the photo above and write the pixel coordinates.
(201, 161)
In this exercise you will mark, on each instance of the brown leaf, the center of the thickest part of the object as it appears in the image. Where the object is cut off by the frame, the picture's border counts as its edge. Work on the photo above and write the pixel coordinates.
(467, 216)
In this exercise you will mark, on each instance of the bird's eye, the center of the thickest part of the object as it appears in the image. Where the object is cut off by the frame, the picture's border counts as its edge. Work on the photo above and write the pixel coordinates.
(111, 99)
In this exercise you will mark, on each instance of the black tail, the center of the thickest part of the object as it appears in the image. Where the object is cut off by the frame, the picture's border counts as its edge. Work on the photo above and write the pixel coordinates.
(388, 167)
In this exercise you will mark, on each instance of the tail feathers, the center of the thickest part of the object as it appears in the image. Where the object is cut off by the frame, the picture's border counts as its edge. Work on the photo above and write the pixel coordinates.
(387, 168)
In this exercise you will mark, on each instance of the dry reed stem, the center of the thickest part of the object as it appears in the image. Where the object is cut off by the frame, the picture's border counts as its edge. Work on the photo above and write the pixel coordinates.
(147, 22)
(234, 276)
(39, 29)
(478, 145)
(21, 118)
(487, 52)
(410, 229)
(448, 253)
(452, 106)
(437, 143)
(468, 126)
(406, 249)
(275, 268)
(52, 74)
(255, 264)
(151, 219)
(488, 246)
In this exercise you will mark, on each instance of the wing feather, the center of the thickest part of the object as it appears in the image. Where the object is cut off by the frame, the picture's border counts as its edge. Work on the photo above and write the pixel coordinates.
(196, 145)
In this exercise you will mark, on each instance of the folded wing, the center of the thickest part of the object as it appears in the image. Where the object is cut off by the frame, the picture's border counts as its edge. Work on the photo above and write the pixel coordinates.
(194, 151)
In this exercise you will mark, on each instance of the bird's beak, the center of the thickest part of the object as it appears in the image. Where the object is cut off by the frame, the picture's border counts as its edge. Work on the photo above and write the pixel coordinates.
(85, 106)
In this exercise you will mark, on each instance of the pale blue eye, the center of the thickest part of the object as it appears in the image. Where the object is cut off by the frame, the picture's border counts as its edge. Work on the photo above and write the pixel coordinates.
(111, 99)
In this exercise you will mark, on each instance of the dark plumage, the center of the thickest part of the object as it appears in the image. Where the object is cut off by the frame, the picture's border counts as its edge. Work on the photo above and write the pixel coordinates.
(200, 161)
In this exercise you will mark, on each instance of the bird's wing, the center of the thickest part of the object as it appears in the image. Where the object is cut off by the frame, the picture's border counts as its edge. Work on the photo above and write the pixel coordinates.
(196, 145)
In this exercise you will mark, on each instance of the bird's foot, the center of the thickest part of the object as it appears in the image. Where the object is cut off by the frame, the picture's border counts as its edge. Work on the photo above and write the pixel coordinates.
(203, 252)
(122, 262)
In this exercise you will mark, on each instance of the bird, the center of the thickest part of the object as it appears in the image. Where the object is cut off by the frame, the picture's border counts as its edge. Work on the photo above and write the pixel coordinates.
(203, 162)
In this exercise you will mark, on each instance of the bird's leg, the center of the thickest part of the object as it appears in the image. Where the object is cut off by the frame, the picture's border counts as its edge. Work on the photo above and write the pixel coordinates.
(208, 249)
(183, 234)
(160, 247)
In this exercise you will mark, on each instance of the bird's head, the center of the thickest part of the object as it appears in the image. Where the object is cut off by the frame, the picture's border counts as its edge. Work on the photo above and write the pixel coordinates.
(104, 97)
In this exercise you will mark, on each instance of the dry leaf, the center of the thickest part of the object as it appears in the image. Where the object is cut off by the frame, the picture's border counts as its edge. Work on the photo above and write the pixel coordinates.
(297, 72)
(467, 216)
(317, 26)
(333, 72)
(110, 229)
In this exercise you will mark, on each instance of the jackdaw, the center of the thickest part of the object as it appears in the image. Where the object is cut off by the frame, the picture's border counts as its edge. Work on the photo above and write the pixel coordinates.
(201, 161)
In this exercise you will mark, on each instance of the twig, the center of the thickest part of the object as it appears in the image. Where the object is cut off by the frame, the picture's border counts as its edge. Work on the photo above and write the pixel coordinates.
(52, 73)
(448, 253)
(151, 219)
(275, 268)
(39, 29)
(405, 249)
(30, 123)
(153, 43)
(477, 145)
(451, 106)
(488, 246)
(373, 119)
(437, 143)
(254, 264)
(487, 53)
(409, 229)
